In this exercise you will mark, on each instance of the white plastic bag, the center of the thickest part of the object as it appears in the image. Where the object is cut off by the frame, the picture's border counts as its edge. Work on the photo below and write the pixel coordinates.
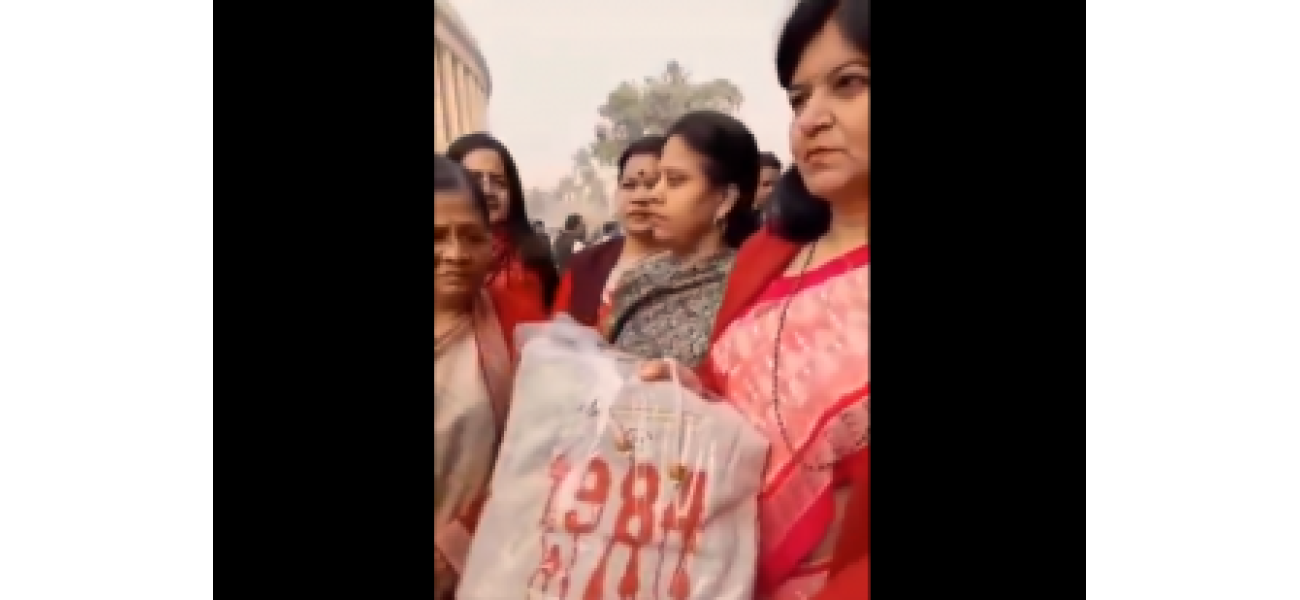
(610, 488)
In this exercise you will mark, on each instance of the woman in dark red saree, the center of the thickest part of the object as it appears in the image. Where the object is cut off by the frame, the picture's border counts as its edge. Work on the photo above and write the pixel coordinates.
(521, 259)
(586, 290)
(793, 332)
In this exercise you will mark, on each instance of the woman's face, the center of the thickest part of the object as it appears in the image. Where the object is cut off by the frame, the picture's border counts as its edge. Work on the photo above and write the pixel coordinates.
(831, 134)
(767, 178)
(636, 193)
(489, 170)
(462, 246)
(688, 206)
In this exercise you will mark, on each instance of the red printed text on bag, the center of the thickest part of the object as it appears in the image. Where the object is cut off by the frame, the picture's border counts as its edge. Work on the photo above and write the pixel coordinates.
(619, 519)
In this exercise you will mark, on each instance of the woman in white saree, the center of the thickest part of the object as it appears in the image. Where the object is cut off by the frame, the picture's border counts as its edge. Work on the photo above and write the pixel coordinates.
(473, 366)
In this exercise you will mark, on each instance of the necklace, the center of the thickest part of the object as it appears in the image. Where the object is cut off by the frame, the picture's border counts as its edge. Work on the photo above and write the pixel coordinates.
(776, 370)
(440, 341)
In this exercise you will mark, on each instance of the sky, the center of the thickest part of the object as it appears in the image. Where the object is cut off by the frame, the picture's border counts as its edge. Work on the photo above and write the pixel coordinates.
(553, 62)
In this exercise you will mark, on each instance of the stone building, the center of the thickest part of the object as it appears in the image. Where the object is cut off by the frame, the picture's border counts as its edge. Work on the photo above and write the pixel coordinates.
(461, 81)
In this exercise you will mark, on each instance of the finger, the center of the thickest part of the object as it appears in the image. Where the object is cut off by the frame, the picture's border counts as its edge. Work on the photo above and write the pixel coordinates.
(654, 370)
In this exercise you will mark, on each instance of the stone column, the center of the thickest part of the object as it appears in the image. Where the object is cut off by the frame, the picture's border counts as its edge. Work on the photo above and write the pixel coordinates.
(482, 107)
(449, 79)
(467, 106)
(475, 107)
(456, 119)
(476, 93)
(483, 117)
(440, 140)
(471, 115)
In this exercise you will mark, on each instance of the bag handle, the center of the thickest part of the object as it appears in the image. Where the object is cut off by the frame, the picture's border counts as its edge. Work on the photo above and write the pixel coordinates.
(677, 471)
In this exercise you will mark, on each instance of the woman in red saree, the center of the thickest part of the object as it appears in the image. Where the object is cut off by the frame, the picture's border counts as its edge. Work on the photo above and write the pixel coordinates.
(521, 259)
(473, 364)
(586, 290)
(791, 338)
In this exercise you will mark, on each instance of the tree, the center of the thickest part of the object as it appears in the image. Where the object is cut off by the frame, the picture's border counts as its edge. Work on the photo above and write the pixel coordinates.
(586, 172)
(539, 203)
(634, 110)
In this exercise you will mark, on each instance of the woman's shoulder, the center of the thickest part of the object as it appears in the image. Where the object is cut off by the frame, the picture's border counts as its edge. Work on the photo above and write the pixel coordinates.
(727, 258)
(654, 267)
(595, 252)
(764, 246)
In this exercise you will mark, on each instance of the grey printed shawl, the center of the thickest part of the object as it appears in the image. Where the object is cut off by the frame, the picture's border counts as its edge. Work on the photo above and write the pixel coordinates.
(663, 310)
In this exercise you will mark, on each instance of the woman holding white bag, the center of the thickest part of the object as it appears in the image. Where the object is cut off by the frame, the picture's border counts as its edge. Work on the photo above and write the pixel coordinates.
(473, 360)
(792, 334)
(708, 174)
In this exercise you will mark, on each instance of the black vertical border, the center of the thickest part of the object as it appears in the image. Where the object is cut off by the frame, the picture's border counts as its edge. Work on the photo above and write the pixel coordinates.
(969, 341)
(326, 428)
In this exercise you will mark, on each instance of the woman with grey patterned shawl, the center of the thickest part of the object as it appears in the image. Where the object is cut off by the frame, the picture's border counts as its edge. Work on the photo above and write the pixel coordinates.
(708, 175)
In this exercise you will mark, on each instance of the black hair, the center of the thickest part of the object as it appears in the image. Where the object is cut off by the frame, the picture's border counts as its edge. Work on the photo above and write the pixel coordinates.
(572, 221)
(449, 176)
(533, 250)
(767, 160)
(801, 216)
(651, 144)
(731, 158)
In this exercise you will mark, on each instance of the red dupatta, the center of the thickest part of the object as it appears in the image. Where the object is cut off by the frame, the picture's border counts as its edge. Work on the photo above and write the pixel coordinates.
(508, 274)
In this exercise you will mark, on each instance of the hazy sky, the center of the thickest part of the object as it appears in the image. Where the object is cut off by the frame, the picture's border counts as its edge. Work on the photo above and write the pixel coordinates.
(554, 61)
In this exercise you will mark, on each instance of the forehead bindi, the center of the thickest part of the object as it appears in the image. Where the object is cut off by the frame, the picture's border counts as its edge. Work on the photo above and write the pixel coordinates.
(641, 166)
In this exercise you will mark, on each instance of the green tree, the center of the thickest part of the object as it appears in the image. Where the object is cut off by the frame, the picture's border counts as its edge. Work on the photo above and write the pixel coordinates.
(634, 110)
